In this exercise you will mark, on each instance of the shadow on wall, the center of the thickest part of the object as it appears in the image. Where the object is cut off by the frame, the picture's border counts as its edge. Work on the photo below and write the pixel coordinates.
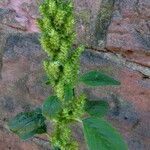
(103, 21)
(2, 44)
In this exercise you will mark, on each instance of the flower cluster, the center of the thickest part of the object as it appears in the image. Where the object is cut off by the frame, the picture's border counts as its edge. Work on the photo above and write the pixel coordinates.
(57, 25)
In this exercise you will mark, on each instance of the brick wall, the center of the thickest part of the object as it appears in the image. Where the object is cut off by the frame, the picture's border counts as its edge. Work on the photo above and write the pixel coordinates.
(117, 38)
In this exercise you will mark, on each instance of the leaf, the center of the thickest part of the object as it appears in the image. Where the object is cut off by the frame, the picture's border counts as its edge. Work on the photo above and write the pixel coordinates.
(96, 108)
(100, 135)
(68, 92)
(96, 78)
(56, 148)
(27, 135)
(27, 124)
(51, 107)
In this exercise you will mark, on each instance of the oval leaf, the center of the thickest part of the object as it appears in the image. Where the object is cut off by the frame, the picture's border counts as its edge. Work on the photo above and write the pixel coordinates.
(51, 107)
(97, 108)
(27, 124)
(96, 78)
(100, 135)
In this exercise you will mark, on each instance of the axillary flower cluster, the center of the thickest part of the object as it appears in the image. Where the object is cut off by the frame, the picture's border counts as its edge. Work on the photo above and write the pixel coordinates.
(57, 25)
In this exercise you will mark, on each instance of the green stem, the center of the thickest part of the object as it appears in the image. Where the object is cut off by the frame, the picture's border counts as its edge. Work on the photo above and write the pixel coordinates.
(57, 24)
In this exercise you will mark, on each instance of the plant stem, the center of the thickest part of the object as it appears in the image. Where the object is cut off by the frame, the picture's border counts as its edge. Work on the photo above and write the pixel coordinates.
(57, 37)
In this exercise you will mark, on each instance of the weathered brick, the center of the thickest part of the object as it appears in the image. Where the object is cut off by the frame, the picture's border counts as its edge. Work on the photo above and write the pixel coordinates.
(127, 34)
(22, 85)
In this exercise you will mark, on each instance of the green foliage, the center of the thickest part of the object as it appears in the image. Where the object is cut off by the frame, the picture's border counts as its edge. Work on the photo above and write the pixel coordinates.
(51, 107)
(67, 106)
(96, 78)
(99, 134)
(97, 108)
(28, 124)
(56, 148)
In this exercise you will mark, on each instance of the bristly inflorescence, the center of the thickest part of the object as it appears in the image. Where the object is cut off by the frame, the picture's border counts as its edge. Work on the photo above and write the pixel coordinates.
(57, 25)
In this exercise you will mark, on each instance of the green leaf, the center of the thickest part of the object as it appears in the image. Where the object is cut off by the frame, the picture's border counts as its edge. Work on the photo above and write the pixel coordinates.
(100, 135)
(56, 148)
(27, 124)
(68, 92)
(97, 108)
(51, 107)
(26, 135)
(96, 78)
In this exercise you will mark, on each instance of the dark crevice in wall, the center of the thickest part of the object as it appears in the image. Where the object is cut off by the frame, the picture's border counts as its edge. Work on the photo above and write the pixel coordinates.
(3, 38)
(0, 65)
(103, 21)
(144, 39)
(145, 77)
(137, 7)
